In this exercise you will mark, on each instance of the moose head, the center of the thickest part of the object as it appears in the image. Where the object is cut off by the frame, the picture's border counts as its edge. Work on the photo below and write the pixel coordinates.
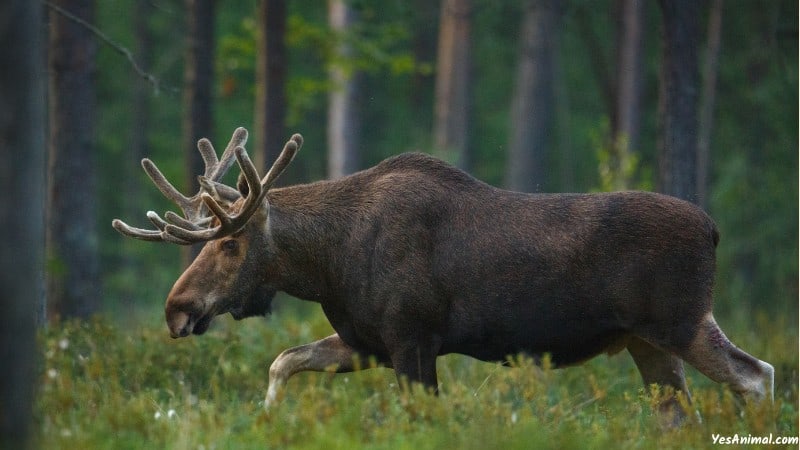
(225, 277)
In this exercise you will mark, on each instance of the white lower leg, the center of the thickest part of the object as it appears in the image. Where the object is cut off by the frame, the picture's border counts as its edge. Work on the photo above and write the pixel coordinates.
(713, 354)
(330, 353)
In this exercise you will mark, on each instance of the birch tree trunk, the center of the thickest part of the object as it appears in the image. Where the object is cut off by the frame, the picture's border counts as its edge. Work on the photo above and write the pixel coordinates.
(344, 156)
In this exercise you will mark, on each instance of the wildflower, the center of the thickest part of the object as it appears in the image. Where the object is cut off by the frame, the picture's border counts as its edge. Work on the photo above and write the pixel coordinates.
(63, 344)
(171, 414)
(52, 373)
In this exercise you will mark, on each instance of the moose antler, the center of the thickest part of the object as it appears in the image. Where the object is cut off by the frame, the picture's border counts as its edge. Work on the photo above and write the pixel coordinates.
(213, 196)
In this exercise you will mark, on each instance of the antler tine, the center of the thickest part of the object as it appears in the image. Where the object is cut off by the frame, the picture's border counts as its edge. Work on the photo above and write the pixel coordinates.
(286, 156)
(138, 233)
(238, 139)
(175, 219)
(219, 190)
(194, 226)
(208, 154)
(193, 207)
(229, 224)
(165, 186)
(146, 235)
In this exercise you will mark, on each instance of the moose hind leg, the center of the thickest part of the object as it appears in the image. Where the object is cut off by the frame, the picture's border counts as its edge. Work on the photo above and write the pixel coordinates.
(716, 357)
(330, 353)
(662, 368)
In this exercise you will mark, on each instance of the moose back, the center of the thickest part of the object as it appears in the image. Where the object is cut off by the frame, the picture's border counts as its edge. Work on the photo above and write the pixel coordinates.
(414, 258)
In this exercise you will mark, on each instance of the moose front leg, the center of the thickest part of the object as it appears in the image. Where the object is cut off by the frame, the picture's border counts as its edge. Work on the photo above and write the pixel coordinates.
(330, 353)
(415, 362)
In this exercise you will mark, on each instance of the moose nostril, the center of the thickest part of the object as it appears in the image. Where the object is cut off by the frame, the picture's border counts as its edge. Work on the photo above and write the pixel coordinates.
(179, 323)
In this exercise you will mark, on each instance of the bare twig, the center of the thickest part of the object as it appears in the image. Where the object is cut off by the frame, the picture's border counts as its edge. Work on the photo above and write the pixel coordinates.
(485, 380)
(150, 78)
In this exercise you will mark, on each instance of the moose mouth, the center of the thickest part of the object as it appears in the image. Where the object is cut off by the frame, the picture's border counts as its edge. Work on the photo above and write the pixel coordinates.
(182, 324)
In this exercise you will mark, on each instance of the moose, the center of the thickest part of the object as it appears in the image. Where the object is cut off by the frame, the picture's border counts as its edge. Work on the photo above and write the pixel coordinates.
(414, 258)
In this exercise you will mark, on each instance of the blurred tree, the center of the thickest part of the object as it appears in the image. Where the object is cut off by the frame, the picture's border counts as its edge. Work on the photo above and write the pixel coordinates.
(678, 99)
(73, 283)
(452, 103)
(625, 119)
(344, 155)
(618, 143)
(532, 103)
(140, 110)
(271, 75)
(22, 124)
(753, 195)
(198, 74)
(753, 145)
(707, 100)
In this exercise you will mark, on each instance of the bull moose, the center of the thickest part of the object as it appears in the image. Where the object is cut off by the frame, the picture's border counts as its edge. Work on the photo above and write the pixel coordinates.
(414, 258)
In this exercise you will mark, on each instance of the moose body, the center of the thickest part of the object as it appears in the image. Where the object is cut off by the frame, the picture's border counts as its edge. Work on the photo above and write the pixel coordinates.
(424, 252)
(414, 258)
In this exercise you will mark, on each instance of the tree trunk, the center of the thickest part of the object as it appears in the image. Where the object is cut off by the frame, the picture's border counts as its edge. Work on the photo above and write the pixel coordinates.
(140, 109)
(628, 106)
(453, 78)
(710, 70)
(132, 181)
(532, 105)
(22, 124)
(585, 16)
(271, 63)
(344, 156)
(678, 99)
(197, 93)
(617, 167)
(73, 281)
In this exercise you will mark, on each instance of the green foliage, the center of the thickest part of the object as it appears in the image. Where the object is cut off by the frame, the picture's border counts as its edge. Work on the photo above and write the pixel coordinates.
(754, 195)
(104, 386)
(619, 168)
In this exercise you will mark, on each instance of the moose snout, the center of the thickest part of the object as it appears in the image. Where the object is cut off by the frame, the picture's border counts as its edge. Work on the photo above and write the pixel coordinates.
(179, 323)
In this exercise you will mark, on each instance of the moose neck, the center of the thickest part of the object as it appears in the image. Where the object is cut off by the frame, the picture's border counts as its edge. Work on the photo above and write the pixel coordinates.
(308, 226)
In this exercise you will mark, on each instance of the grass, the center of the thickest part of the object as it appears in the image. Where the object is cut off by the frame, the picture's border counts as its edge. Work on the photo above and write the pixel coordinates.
(105, 385)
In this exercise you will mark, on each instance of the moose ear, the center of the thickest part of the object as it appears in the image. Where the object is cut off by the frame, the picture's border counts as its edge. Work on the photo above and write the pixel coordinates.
(241, 184)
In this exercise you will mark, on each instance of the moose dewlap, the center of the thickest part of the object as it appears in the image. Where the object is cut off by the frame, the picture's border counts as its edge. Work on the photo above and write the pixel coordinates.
(413, 259)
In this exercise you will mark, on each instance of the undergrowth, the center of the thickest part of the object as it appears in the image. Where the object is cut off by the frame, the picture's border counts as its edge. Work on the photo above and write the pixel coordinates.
(105, 385)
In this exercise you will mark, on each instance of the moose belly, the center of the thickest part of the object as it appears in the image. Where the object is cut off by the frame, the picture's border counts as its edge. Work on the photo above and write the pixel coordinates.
(567, 339)
(563, 352)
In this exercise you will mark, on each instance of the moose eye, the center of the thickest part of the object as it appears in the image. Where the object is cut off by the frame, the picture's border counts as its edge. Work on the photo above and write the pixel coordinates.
(230, 245)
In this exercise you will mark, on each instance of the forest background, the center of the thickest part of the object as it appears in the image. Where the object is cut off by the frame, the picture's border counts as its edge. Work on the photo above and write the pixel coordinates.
(752, 191)
(538, 96)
